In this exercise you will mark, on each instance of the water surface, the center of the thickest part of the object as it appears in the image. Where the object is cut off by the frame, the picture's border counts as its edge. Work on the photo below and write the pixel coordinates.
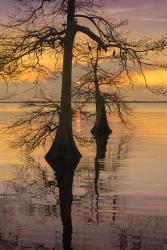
(118, 203)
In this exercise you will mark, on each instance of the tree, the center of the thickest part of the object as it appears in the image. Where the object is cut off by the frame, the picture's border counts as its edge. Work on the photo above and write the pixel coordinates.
(91, 88)
(104, 74)
(31, 42)
(37, 33)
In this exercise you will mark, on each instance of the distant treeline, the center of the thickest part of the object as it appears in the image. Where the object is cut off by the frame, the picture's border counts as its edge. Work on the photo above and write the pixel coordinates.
(24, 102)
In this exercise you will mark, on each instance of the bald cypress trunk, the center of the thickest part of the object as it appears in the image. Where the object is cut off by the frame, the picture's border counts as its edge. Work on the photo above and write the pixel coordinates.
(101, 126)
(64, 146)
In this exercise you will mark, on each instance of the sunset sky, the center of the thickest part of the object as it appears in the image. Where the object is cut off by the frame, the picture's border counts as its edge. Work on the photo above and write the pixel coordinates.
(146, 15)
(146, 18)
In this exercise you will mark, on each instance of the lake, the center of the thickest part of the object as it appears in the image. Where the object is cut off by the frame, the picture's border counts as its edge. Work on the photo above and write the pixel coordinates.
(114, 199)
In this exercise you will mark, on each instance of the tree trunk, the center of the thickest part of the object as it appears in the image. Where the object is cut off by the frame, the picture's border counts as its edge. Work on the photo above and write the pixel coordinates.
(64, 146)
(101, 126)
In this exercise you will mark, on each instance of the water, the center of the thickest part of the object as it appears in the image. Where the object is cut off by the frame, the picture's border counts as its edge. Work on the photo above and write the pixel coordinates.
(118, 203)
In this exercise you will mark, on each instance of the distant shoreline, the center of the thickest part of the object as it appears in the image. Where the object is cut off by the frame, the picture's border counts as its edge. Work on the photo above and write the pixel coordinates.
(26, 102)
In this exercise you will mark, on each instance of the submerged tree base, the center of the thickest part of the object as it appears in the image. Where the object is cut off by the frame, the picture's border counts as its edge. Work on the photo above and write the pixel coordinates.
(63, 148)
(101, 130)
(101, 126)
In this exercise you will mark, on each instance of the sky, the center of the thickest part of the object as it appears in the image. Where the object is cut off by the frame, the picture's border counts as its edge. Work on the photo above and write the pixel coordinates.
(145, 17)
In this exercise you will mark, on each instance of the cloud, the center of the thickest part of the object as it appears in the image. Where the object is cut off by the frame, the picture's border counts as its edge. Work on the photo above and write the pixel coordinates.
(143, 10)
(148, 19)
(132, 3)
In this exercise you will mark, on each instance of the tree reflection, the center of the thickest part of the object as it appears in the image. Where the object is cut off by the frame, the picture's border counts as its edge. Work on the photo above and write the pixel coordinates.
(64, 174)
(101, 145)
(101, 149)
(126, 232)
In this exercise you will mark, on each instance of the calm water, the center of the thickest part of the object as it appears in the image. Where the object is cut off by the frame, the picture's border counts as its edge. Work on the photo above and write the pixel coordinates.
(118, 203)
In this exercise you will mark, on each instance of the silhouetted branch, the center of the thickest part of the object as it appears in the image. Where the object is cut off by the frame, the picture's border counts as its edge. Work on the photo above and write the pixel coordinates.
(36, 125)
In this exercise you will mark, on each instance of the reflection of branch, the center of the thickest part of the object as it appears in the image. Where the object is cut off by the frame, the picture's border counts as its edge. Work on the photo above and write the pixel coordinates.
(32, 179)
(123, 146)
(133, 238)
(13, 241)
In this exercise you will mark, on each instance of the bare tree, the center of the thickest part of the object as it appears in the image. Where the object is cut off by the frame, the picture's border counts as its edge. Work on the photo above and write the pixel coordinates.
(105, 73)
(91, 87)
(50, 26)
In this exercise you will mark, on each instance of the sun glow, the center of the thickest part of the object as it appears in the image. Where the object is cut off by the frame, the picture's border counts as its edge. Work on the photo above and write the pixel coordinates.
(153, 77)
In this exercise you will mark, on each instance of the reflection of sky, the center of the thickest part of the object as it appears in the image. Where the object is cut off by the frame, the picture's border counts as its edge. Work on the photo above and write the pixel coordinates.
(128, 203)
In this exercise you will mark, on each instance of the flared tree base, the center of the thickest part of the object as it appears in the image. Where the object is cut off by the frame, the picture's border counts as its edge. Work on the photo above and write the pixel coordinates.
(101, 126)
(63, 148)
(101, 130)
